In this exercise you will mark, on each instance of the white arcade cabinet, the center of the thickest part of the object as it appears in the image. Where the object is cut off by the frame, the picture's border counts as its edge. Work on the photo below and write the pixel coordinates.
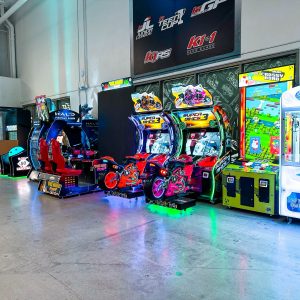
(290, 154)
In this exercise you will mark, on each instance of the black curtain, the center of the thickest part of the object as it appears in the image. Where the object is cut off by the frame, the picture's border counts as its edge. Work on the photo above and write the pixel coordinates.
(116, 132)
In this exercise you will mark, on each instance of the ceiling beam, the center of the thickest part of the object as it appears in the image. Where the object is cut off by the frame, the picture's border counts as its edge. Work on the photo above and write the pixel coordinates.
(12, 10)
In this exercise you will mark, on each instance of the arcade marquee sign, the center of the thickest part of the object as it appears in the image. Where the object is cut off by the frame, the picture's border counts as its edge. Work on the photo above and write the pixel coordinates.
(178, 33)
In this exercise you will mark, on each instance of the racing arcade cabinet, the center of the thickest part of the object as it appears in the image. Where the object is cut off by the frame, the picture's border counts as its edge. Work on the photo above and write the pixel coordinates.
(56, 174)
(251, 183)
(203, 151)
(155, 143)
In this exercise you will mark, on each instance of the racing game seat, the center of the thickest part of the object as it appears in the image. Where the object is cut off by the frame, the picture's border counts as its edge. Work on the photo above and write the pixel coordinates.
(44, 156)
(181, 161)
(58, 161)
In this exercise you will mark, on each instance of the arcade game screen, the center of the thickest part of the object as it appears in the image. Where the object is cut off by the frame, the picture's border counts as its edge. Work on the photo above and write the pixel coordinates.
(158, 143)
(203, 144)
(262, 128)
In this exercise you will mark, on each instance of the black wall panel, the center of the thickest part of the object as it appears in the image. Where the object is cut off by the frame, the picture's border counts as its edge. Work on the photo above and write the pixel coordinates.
(117, 134)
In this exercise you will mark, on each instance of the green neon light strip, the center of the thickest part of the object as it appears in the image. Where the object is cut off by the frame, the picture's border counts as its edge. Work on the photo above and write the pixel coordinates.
(180, 142)
(12, 178)
(213, 183)
(171, 212)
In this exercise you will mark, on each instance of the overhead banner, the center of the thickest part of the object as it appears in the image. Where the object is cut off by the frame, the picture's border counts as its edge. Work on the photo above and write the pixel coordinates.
(172, 33)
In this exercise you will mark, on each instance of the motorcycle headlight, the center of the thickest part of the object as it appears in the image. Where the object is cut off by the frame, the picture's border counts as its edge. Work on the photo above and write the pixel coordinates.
(163, 172)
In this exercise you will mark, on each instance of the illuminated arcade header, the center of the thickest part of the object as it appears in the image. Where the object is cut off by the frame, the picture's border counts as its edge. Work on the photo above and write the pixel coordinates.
(151, 122)
(198, 119)
(146, 102)
(191, 96)
(278, 74)
(116, 84)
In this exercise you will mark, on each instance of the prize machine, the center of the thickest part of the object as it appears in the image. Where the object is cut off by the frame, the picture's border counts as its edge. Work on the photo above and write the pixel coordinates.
(251, 183)
(155, 144)
(289, 193)
(203, 151)
(15, 162)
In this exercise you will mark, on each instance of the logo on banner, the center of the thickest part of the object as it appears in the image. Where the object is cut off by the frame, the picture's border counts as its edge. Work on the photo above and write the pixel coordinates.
(273, 75)
(23, 164)
(293, 202)
(172, 21)
(201, 43)
(206, 7)
(64, 115)
(297, 95)
(145, 29)
(154, 56)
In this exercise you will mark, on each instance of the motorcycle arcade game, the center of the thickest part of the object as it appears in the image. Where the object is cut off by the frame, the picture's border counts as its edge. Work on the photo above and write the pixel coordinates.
(202, 152)
(251, 183)
(15, 163)
(155, 144)
(289, 192)
(56, 173)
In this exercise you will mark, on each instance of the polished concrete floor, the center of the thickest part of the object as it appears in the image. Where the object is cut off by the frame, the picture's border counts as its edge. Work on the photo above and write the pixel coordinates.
(92, 247)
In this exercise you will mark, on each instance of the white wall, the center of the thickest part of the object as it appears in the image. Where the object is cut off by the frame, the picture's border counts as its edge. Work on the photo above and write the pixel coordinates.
(47, 47)
(108, 40)
(10, 92)
(4, 54)
(47, 42)
(269, 23)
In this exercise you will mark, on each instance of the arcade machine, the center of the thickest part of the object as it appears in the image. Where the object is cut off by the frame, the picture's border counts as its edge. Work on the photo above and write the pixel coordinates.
(290, 154)
(251, 183)
(39, 130)
(63, 125)
(57, 178)
(204, 150)
(56, 174)
(156, 142)
(15, 163)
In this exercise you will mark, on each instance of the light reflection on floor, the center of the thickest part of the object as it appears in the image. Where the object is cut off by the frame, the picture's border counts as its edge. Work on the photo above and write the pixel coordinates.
(117, 247)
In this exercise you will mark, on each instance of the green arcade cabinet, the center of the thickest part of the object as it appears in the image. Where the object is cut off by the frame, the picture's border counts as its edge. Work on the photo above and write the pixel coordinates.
(251, 182)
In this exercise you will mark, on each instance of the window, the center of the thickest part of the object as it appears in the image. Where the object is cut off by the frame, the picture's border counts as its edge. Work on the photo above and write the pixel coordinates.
(62, 103)
(32, 109)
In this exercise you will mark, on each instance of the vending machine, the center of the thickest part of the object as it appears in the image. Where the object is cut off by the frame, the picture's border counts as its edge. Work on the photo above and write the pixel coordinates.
(290, 154)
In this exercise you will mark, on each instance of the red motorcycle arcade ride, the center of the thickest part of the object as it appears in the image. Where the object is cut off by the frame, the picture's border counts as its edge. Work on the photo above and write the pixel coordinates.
(155, 144)
(204, 150)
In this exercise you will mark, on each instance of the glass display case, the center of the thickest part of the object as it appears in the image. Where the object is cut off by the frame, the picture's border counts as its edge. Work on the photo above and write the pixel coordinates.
(290, 154)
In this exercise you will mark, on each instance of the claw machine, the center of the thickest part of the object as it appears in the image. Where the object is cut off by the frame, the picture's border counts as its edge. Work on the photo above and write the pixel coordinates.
(290, 154)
